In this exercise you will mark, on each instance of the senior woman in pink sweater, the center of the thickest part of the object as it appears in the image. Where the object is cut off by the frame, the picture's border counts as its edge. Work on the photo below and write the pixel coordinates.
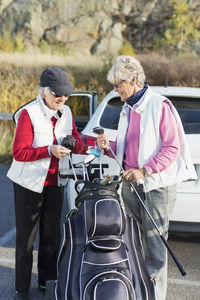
(152, 147)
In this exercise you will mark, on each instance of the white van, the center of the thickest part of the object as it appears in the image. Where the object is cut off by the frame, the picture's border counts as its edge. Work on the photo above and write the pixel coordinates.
(186, 213)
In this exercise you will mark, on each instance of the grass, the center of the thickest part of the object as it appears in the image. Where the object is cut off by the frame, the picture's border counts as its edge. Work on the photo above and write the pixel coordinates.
(20, 73)
(182, 70)
(37, 59)
(7, 130)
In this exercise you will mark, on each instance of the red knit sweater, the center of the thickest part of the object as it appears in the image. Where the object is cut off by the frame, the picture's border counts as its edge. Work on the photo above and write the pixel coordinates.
(23, 150)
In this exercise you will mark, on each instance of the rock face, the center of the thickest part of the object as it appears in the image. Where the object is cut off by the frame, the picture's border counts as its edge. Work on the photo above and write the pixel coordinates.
(87, 26)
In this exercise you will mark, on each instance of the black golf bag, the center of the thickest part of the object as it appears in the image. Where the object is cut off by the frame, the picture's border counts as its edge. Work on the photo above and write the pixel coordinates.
(101, 255)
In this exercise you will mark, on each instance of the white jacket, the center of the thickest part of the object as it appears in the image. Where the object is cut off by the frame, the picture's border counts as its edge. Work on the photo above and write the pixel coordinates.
(150, 108)
(32, 175)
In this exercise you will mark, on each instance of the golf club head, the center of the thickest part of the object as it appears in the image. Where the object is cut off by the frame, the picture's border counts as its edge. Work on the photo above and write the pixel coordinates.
(94, 151)
(98, 130)
(89, 158)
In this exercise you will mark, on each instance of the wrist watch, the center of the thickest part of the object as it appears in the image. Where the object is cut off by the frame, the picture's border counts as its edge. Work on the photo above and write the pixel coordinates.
(145, 172)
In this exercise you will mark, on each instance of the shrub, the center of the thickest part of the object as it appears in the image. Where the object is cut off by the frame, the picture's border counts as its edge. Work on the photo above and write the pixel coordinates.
(11, 44)
(127, 49)
(19, 45)
(6, 43)
(179, 70)
(18, 84)
(58, 48)
(7, 133)
(182, 31)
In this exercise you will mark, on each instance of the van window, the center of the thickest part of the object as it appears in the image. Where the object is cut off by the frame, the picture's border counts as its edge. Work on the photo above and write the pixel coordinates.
(110, 116)
(189, 111)
(79, 106)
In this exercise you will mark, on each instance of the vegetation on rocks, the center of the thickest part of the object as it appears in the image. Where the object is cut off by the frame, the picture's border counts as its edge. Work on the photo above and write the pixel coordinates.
(183, 29)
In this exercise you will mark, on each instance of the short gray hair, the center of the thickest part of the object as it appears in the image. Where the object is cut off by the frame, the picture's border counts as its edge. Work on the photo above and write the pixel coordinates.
(44, 90)
(126, 68)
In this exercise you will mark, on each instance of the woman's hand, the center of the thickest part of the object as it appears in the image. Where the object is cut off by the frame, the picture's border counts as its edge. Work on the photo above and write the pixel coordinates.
(102, 141)
(59, 151)
(133, 175)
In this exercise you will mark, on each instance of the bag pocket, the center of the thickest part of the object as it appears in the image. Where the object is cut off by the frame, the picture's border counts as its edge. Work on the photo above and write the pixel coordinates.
(110, 243)
(107, 218)
(111, 285)
(112, 289)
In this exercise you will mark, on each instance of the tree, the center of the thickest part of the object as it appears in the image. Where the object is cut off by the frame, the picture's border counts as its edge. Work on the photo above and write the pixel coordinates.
(183, 28)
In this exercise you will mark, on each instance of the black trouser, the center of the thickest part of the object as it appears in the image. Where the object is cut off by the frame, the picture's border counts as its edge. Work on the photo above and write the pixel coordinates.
(32, 210)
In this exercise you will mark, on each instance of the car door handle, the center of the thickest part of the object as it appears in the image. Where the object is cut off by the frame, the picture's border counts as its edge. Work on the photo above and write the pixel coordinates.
(197, 168)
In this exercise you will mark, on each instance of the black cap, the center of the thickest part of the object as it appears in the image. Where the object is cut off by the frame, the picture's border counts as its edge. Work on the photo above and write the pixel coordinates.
(57, 80)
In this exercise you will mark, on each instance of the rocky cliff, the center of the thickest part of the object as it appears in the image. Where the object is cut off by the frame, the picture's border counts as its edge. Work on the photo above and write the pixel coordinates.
(87, 26)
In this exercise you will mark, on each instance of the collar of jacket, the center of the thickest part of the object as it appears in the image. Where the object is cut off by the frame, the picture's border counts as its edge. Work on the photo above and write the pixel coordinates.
(45, 109)
(141, 103)
(132, 100)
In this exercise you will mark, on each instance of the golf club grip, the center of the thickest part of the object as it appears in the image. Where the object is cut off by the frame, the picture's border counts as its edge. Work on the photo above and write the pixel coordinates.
(98, 130)
(106, 166)
(183, 273)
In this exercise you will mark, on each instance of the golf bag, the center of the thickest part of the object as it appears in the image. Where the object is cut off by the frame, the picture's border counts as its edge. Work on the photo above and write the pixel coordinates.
(101, 255)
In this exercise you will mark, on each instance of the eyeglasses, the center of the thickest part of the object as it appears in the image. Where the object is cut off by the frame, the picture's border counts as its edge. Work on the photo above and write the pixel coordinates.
(118, 84)
(58, 96)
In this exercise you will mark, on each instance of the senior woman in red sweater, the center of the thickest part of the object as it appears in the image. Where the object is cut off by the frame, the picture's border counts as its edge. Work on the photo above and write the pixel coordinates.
(38, 190)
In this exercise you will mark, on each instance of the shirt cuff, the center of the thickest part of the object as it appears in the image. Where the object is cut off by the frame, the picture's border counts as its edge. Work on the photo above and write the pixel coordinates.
(49, 151)
(148, 169)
